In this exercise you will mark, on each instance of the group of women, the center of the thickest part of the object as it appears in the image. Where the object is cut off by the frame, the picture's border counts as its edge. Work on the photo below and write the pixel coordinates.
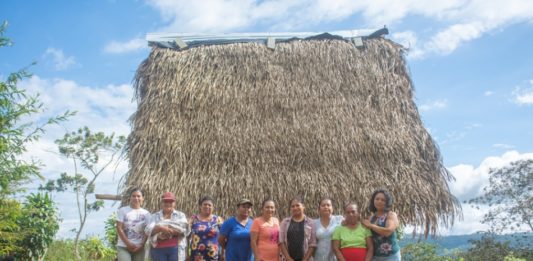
(205, 236)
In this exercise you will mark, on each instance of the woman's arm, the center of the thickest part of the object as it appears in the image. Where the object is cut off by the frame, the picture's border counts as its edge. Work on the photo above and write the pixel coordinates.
(189, 237)
(254, 236)
(285, 251)
(120, 231)
(369, 249)
(390, 225)
(311, 247)
(336, 245)
(309, 253)
(222, 241)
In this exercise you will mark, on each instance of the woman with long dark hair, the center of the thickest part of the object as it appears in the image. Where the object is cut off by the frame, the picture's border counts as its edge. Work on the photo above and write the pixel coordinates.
(383, 224)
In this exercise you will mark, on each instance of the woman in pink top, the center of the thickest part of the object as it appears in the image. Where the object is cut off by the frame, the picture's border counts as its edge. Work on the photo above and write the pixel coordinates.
(265, 233)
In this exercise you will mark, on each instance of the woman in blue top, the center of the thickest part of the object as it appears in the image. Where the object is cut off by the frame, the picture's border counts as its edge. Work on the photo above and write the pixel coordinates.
(234, 234)
(324, 227)
(383, 224)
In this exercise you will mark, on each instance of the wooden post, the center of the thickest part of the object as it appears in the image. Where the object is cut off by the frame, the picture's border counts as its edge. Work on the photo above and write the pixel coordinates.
(108, 197)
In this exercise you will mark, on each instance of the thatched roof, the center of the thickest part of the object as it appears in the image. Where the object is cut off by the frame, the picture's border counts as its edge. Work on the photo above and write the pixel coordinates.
(313, 117)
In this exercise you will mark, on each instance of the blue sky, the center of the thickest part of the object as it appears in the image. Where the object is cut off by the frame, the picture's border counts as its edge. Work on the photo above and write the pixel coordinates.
(471, 64)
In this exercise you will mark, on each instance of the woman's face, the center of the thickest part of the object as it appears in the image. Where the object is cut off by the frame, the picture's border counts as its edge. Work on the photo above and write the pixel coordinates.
(206, 207)
(168, 205)
(269, 208)
(380, 201)
(136, 199)
(244, 210)
(351, 214)
(325, 208)
(297, 208)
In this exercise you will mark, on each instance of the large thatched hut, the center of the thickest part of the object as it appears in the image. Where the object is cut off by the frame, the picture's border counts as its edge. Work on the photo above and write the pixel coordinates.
(324, 116)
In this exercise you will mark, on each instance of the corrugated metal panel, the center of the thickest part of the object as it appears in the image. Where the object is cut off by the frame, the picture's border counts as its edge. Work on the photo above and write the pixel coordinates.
(181, 41)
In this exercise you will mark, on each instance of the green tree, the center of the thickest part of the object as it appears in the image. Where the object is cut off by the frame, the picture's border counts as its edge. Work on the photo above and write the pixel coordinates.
(41, 221)
(86, 150)
(17, 131)
(509, 196)
(422, 252)
(15, 134)
(488, 248)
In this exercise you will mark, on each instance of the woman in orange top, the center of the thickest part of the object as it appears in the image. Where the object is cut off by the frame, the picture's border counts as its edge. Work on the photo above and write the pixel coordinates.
(265, 233)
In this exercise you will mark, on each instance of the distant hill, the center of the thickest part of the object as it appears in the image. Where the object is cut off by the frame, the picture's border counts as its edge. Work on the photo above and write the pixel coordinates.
(462, 241)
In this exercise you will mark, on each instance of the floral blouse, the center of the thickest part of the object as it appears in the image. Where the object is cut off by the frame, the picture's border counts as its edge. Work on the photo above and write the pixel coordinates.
(204, 235)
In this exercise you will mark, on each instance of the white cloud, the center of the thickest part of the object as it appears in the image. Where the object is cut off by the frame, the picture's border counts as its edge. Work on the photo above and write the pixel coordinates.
(434, 105)
(106, 109)
(97, 107)
(469, 183)
(488, 93)
(407, 38)
(523, 96)
(460, 21)
(125, 47)
(58, 60)
(449, 39)
(454, 136)
(503, 146)
(473, 126)
(470, 223)
(470, 180)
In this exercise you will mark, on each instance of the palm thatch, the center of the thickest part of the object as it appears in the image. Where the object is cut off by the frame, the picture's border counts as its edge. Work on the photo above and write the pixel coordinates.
(314, 118)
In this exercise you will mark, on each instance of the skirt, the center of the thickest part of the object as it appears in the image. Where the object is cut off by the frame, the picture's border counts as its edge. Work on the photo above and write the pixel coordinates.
(354, 253)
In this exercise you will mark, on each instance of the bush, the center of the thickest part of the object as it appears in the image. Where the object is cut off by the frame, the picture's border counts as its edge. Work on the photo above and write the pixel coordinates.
(422, 252)
(95, 249)
(10, 212)
(90, 249)
(39, 218)
(111, 235)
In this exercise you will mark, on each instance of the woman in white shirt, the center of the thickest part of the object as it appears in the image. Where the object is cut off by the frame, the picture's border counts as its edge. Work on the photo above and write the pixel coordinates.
(131, 222)
(324, 227)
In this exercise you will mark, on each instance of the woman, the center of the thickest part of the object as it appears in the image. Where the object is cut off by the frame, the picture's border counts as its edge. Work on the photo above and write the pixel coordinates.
(324, 227)
(167, 229)
(383, 224)
(352, 241)
(234, 235)
(296, 233)
(265, 233)
(131, 221)
(203, 244)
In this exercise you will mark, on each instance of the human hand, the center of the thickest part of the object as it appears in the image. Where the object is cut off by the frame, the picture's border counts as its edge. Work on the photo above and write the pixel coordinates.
(366, 223)
(131, 247)
(137, 249)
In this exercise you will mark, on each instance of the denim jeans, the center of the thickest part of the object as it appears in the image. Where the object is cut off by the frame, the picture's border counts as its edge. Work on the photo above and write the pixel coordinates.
(164, 254)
